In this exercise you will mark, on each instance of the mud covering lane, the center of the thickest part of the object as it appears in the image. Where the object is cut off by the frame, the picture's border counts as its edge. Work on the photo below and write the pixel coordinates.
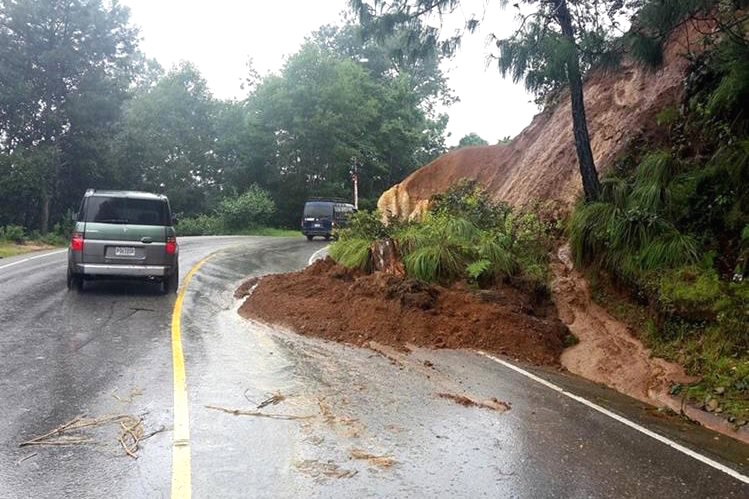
(104, 352)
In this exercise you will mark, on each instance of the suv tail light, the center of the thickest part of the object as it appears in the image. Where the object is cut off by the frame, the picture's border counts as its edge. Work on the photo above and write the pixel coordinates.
(76, 242)
(171, 246)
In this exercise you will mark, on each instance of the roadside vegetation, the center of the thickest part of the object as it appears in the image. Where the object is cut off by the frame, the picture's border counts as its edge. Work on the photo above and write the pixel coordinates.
(463, 236)
(671, 230)
(250, 213)
(16, 240)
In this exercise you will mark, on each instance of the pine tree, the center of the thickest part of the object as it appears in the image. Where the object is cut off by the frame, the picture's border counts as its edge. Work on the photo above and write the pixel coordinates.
(556, 43)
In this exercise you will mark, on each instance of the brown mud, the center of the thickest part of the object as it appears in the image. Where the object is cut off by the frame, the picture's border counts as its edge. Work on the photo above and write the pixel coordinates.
(493, 403)
(331, 302)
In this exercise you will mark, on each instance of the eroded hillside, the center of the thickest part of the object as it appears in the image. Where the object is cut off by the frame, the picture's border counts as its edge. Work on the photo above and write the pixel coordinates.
(540, 163)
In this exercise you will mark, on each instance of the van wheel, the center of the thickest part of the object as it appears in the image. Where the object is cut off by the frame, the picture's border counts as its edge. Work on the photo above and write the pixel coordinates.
(171, 284)
(74, 281)
(309, 238)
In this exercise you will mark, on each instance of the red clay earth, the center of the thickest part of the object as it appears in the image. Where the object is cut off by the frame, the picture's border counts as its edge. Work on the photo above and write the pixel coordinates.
(328, 301)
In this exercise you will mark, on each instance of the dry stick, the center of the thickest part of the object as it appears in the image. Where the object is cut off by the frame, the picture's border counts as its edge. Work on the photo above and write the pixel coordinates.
(127, 449)
(238, 412)
(128, 430)
(72, 441)
(162, 428)
(99, 421)
(74, 424)
(25, 458)
(56, 431)
(274, 399)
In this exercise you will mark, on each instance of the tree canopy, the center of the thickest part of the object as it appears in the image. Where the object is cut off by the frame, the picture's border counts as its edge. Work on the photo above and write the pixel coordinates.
(472, 139)
(81, 106)
(65, 70)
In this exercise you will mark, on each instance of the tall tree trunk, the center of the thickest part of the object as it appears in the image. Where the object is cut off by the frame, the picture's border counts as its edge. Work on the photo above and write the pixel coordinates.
(591, 186)
(44, 215)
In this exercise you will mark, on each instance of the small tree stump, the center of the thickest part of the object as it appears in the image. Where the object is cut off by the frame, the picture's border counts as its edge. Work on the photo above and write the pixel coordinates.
(386, 257)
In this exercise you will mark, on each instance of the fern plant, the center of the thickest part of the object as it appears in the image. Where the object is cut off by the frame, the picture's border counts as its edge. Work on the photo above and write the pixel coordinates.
(631, 229)
(353, 253)
(437, 249)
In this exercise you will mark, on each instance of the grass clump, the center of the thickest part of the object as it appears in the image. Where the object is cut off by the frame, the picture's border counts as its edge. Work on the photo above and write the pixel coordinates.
(353, 253)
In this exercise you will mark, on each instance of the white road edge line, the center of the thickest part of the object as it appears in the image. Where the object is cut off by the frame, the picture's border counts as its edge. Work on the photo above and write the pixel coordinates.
(699, 457)
(314, 255)
(32, 258)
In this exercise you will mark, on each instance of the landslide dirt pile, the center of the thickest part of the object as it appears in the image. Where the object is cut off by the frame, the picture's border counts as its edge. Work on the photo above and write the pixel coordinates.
(540, 164)
(331, 302)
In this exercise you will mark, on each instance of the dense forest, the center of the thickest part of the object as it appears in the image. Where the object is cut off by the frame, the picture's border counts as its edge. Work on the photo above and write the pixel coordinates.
(81, 106)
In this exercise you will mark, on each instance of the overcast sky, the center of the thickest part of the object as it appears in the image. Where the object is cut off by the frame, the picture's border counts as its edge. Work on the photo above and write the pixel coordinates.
(220, 36)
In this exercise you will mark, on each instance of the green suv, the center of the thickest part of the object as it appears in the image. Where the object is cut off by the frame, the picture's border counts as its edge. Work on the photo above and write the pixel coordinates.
(124, 234)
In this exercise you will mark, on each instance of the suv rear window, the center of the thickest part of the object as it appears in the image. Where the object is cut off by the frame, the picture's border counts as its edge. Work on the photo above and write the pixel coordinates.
(116, 210)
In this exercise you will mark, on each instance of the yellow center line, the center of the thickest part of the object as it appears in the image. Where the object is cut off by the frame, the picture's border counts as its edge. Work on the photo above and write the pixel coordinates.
(181, 485)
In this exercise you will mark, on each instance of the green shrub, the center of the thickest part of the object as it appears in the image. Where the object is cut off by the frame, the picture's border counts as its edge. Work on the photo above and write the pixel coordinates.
(201, 225)
(14, 233)
(467, 200)
(253, 208)
(630, 229)
(365, 225)
(54, 238)
(64, 228)
(732, 310)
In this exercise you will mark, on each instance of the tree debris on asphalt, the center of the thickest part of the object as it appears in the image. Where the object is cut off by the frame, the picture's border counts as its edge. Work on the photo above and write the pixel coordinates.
(240, 412)
(274, 399)
(73, 432)
(493, 403)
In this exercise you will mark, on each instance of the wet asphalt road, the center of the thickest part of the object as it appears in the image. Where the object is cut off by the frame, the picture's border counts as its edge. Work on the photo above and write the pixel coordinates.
(367, 423)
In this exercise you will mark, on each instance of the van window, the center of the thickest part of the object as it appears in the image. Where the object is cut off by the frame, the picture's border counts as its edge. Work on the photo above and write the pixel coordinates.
(318, 210)
(116, 210)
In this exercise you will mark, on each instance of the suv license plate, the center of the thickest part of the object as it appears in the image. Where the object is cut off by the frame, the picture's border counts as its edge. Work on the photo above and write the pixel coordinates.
(124, 251)
(317, 225)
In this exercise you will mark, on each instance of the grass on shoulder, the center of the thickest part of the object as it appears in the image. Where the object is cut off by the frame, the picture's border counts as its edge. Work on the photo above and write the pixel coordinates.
(8, 249)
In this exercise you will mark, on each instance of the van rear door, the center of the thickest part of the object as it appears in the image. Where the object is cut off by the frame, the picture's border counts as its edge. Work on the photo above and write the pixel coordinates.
(125, 230)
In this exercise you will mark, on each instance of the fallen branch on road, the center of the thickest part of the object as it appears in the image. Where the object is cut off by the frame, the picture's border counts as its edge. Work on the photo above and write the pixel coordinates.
(131, 434)
(240, 412)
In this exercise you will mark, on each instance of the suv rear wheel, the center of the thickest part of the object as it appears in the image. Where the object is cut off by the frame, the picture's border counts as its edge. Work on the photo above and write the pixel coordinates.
(171, 283)
(75, 281)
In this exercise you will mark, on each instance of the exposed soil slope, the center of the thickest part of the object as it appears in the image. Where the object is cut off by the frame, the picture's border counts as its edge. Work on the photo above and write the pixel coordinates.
(330, 302)
(540, 164)
(608, 352)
